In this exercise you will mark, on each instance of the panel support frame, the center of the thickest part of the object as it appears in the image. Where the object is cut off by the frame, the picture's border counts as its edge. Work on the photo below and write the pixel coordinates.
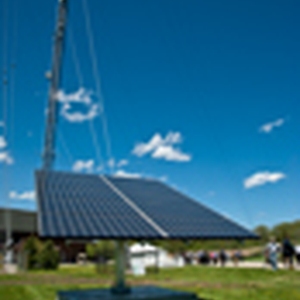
(120, 287)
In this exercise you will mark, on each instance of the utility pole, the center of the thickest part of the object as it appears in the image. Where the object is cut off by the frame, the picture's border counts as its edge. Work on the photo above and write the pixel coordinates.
(7, 217)
(54, 77)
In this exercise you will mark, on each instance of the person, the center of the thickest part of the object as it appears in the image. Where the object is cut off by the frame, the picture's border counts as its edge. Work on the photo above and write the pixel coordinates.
(288, 252)
(236, 257)
(297, 254)
(213, 257)
(223, 257)
(187, 256)
(204, 259)
(271, 253)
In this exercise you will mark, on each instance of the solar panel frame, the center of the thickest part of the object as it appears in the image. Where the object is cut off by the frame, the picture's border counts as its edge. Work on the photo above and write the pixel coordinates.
(79, 206)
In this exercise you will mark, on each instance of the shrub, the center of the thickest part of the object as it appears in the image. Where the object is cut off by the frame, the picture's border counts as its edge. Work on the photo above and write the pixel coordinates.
(48, 257)
(91, 251)
(100, 251)
(31, 248)
(40, 255)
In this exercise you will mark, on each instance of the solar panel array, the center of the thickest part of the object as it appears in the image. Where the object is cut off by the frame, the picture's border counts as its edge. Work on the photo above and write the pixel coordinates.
(91, 206)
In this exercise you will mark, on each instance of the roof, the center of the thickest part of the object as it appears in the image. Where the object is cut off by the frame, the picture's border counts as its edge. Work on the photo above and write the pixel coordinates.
(92, 206)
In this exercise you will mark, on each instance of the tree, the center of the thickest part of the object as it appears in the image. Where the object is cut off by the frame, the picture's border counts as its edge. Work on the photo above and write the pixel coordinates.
(48, 257)
(91, 251)
(263, 232)
(174, 246)
(31, 249)
(105, 250)
(101, 250)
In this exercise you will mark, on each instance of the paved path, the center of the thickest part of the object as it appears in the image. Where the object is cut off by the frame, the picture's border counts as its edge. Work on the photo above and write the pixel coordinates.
(254, 265)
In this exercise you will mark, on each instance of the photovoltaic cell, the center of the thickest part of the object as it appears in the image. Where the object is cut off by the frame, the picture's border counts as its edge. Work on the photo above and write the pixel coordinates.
(90, 206)
(83, 206)
(179, 215)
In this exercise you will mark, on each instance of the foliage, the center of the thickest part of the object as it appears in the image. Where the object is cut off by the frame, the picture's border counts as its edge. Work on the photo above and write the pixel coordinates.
(31, 249)
(174, 247)
(263, 232)
(40, 255)
(289, 230)
(101, 250)
(48, 257)
(91, 251)
(180, 246)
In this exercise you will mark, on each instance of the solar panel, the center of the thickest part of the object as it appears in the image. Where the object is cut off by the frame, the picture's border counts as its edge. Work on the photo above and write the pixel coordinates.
(91, 206)
(83, 206)
(179, 215)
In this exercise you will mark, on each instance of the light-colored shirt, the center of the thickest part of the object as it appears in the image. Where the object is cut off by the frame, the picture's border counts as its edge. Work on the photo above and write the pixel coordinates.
(272, 248)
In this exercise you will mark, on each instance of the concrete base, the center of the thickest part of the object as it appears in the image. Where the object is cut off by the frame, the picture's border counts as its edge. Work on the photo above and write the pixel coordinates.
(140, 292)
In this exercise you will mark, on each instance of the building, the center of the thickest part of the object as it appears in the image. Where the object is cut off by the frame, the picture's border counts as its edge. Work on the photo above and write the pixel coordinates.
(145, 255)
(24, 224)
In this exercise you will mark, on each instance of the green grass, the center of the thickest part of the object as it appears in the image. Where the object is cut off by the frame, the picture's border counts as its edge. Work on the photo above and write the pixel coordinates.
(208, 283)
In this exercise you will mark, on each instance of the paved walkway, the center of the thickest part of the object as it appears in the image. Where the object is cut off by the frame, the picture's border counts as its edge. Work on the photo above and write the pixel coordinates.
(254, 265)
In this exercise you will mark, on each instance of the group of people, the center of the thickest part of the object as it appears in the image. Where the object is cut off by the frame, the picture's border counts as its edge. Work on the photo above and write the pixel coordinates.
(214, 257)
(288, 251)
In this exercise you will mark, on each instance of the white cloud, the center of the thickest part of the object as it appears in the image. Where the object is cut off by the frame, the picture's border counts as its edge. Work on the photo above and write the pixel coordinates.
(28, 195)
(6, 158)
(268, 128)
(143, 148)
(163, 148)
(124, 174)
(3, 142)
(82, 96)
(173, 138)
(262, 178)
(171, 154)
(83, 165)
(2, 124)
(78, 117)
(122, 163)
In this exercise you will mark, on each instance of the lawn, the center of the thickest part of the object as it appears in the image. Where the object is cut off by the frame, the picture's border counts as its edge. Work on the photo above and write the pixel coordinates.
(208, 283)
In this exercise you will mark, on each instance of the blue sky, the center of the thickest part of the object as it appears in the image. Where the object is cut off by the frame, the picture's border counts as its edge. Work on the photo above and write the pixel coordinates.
(201, 94)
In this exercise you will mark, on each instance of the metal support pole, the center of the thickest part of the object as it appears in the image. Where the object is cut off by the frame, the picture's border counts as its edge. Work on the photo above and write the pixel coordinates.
(8, 251)
(55, 78)
(120, 287)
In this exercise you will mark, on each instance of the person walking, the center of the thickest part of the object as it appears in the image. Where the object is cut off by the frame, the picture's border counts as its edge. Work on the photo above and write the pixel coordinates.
(236, 257)
(223, 257)
(271, 252)
(297, 253)
(288, 252)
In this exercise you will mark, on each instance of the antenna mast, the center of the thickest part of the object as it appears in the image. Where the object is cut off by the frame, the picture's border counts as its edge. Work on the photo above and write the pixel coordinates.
(54, 77)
